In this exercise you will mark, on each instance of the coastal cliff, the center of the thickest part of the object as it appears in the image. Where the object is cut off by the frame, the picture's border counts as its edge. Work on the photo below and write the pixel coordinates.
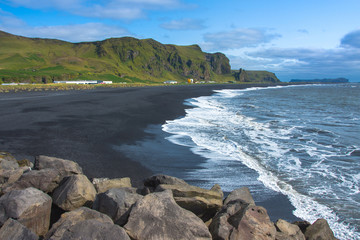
(243, 75)
(131, 60)
(53, 199)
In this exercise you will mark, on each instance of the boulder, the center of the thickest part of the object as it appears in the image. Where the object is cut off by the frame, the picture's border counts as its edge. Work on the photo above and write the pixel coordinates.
(25, 163)
(319, 230)
(30, 206)
(64, 167)
(10, 176)
(154, 181)
(7, 161)
(240, 194)
(13, 230)
(302, 225)
(93, 229)
(68, 219)
(116, 203)
(73, 192)
(220, 227)
(242, 221)
(288, 231)
(45, 180)
(157, 216)
(204, 203)
(84, 223)
(104, 184)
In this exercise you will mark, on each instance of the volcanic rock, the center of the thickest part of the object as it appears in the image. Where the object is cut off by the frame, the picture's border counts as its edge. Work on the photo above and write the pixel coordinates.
(10, 176)
(45, 180)
(84, 223)
(73, 192)
(288, 231)
(319, 230)
(64, 167)
(116, 203)
(156, 180)
(157, 216)
(204, 203)
(7, 161)
(241, 221)
(30, 206)
(13, 230)
(240, 194)
(104, 184)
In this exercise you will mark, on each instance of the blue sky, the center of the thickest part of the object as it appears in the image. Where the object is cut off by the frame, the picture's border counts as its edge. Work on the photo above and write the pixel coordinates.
(294, 39)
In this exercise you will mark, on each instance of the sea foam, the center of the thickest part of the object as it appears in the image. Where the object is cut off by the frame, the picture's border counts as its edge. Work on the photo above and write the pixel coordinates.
(218, 129)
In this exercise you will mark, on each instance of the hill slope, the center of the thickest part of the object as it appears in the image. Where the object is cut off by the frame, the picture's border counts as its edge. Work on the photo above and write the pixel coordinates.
(117, 59)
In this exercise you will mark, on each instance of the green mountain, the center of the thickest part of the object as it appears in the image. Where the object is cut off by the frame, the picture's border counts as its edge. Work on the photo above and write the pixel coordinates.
(117, 59)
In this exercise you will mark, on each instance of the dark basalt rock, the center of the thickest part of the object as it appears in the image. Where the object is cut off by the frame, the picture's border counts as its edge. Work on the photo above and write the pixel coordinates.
(116, 203)
(157, 216)
(170, 209)
(13, 230)
(85, 223)
(30, 206)
(73, 192)
(319, 230)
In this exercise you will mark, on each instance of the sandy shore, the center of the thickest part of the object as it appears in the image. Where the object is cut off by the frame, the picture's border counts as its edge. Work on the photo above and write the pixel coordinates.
(84, 126)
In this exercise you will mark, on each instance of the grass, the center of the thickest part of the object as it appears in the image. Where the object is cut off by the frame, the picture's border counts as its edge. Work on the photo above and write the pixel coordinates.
(34, 60)
(144, 61)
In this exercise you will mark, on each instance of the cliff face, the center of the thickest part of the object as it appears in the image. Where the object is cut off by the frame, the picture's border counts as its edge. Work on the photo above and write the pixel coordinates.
(117, 59)
(254, 76)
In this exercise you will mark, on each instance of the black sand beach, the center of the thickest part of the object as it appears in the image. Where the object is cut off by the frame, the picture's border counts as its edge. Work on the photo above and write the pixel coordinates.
(86, 126)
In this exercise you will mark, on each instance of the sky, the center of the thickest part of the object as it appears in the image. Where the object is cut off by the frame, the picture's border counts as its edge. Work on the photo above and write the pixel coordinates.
(294, 39)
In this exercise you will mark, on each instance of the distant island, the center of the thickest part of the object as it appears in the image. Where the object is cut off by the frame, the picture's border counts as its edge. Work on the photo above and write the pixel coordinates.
(325, 80)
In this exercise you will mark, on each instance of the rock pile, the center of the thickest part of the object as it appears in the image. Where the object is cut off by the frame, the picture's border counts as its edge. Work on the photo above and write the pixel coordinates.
(165, 208)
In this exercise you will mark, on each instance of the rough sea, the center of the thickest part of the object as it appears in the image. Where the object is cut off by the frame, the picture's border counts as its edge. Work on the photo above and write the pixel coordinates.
(301, 141)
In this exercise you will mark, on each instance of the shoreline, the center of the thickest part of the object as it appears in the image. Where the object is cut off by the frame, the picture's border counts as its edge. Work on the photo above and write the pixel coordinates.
(84, 126)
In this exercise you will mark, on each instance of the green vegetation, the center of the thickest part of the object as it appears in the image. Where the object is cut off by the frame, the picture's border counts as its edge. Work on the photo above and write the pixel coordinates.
(254, 76)
(34, 60)
(64, 87)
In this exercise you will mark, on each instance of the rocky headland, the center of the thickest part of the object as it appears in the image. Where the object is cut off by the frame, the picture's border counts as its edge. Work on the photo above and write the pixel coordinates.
(53, 199)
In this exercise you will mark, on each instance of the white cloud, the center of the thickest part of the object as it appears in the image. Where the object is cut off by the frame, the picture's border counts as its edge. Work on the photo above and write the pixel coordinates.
(292, 62)
(237, 38)
(184, 24)
(72, 33)
(45, 4)
(110, 12)
(303, 31)
(76, 33)
(8, 20)
(113, 9)
(351, 39)
(342, 61)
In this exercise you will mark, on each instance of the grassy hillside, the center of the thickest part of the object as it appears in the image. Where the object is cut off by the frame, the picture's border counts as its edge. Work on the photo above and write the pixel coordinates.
(118, 59)
(125, 59)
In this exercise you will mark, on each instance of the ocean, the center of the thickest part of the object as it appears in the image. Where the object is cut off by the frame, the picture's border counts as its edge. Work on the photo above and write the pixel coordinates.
(301, 141)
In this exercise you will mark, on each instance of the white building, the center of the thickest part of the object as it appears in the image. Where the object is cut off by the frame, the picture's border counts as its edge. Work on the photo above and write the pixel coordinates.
(9, 84)
(84, 82)
(170, 82)
(106, 82)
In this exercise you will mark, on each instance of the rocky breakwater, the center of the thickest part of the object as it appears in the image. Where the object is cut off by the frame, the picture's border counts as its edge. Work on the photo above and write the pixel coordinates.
(54, 200)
